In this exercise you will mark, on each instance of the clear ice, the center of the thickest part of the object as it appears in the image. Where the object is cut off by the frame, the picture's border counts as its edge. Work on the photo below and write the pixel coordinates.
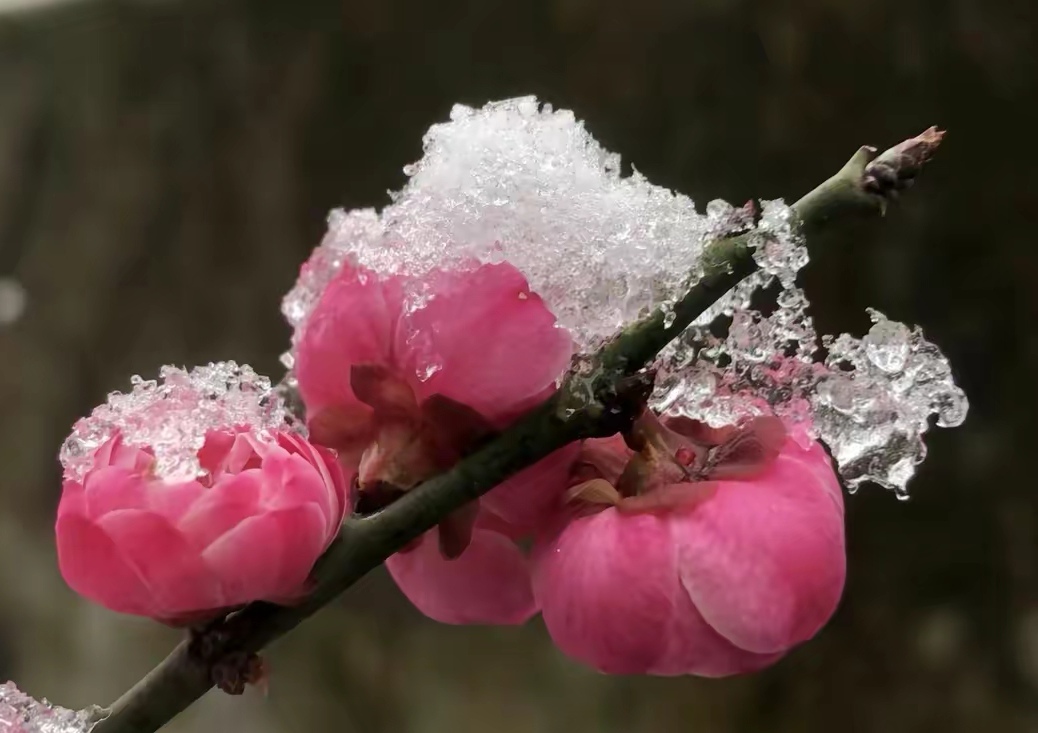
(20, 713)
(171, 416)
(870, 400)
(517, 181)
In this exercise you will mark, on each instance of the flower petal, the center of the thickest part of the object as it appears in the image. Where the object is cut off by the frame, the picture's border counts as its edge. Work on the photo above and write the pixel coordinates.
(174, 574)
(268, 556)
(693, 647)
(92, 566)
(335, 495)
(763, 560)
(488, 584)
(524, 499)
(353, 323)
(456, 530)
(607, 586)
(492, 344)
(232, 501)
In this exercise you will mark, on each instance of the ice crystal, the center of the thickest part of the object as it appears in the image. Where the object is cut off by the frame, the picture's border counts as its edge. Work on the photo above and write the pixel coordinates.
(171, 416)
(870, 400)
(20, 713)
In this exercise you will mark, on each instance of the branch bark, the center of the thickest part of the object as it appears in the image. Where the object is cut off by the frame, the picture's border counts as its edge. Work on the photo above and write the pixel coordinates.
(594, 400)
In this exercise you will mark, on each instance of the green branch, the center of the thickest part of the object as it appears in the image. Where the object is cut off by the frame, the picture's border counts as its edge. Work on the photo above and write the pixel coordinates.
(595, 399)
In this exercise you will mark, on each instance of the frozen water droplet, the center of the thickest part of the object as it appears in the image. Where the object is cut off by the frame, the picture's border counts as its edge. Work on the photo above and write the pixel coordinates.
(719, 209)
(12, 300)
(669, 316)
(779, 249)
(952, 407)
(428, 370)
(886, 343)
(870, 401)
(345, 230)
(172, 416)
(20, 713)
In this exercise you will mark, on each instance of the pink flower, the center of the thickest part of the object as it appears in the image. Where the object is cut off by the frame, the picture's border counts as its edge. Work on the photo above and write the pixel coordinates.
(489, 582)
(707, 552)
(403, 388)
(184, 552)
(375, 369)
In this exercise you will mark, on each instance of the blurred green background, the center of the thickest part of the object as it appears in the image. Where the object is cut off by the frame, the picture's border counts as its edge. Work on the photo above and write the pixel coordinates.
(166, 166)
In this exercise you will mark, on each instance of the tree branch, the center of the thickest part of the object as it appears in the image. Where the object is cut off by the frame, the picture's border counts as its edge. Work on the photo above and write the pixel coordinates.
(596, 399)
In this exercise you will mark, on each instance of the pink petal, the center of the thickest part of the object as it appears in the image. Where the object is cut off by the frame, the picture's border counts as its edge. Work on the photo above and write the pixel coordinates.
(284, 482)
(114, 452)
(488, 584)
(338, 491)
(268, 556)
(291, 480)
(354, 322)
(346, 430)
(93, 567)
(524, 499)
(455, 530)
(174, 574)
(494, 344)
(763, 560)
(607, 586)
(693, 647)
(111, 489)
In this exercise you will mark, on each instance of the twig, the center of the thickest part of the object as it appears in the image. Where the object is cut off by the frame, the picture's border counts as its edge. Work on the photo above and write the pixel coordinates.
(595, 400)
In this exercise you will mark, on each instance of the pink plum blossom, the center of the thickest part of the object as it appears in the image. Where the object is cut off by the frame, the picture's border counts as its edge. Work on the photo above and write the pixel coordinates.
(706, 552)
(185, 551)
(403, 377)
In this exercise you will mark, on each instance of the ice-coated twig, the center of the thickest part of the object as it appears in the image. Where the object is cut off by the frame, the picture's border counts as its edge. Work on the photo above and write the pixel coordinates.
(594, 400)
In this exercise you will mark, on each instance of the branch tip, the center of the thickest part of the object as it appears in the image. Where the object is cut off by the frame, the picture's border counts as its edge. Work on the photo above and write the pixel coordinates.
(895, 169)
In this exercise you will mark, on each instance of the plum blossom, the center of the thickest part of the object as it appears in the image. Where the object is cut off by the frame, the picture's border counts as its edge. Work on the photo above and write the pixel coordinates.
(249, 526)
(702, 551)
(404, 376)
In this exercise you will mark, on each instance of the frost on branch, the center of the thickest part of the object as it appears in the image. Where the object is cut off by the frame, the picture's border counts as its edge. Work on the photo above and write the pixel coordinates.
(519, 182)
(20, 713)
(173, 415)
(870, 400)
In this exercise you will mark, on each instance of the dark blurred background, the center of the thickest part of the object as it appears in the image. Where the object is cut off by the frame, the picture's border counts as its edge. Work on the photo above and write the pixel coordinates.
(165, 167)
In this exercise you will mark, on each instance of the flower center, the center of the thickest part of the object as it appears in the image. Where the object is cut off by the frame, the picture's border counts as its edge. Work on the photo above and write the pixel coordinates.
(664, 461)
(393, 441)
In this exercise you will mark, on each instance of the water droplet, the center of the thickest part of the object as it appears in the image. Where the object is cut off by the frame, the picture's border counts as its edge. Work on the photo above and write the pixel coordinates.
(886, 344)
(428, 370)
